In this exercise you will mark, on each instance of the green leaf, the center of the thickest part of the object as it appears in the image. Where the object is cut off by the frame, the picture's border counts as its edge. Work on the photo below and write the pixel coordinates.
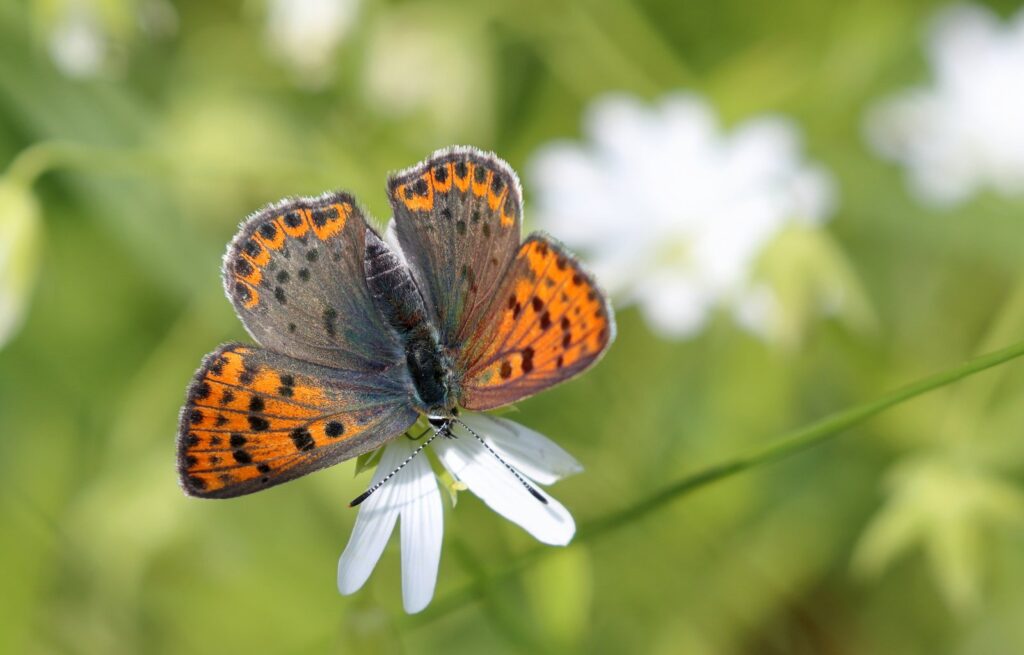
(368, 461)
(947, 507)
(20, 241)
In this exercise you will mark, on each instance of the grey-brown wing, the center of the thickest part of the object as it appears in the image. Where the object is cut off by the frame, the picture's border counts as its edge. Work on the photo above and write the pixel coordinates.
(457, 216)
(294, 273)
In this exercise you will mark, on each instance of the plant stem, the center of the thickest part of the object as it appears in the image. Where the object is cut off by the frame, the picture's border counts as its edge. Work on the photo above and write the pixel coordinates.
(790, 444)
(44, 156)
(1008, 322)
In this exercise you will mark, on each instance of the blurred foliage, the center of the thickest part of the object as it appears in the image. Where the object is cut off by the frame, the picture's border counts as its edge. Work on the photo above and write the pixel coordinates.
(904, 538)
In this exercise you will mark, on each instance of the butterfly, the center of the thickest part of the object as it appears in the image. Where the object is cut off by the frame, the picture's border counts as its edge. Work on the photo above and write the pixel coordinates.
(360, 335)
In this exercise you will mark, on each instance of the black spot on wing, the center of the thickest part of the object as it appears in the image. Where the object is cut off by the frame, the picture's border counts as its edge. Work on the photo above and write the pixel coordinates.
(268, 230)
(321, 215)
(527, 364)
(302, 439)
(334, 429)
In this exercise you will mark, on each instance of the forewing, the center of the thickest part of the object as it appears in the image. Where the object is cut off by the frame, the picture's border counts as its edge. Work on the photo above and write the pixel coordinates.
(254, 419)
(294, 273)
(457, 216)
(550, 323)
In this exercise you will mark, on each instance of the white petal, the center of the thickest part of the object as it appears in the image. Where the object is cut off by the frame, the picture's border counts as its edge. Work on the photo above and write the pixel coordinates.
(422, 528)
(376, 520)
(674, 304)
(757, 310)
(494, 484)
(307, 32)
(619, 123)
(533, 454)
(563, 177)
(78, 44)
(762, 149)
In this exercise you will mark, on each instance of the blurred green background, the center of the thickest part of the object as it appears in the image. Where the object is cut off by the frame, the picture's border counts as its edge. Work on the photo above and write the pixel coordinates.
(133, 165)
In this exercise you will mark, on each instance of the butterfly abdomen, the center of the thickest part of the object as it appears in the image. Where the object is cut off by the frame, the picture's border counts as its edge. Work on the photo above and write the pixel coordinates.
(399, 302)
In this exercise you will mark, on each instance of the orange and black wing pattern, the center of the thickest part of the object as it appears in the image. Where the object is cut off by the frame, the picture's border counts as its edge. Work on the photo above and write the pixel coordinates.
(548, 323)
(457, 216)
(254, 419)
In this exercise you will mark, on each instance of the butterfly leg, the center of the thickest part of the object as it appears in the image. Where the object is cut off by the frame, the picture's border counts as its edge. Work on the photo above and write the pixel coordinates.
(419, 436)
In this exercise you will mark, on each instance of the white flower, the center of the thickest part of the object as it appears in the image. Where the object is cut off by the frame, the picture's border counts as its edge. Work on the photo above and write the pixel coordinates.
(78, 42)
(673, 213)
(412, 497)
(964, 132)
(306, 33)
(450, 84)
(92, 38)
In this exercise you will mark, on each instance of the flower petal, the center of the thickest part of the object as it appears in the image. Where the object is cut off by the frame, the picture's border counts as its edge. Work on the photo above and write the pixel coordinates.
(533, 454)
(674, 303)
(422, 528)
(494, 484)
(713, 201)
(375, 521)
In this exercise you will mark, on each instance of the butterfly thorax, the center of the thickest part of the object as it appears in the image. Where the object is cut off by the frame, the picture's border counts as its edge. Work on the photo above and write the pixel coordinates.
(399, 301)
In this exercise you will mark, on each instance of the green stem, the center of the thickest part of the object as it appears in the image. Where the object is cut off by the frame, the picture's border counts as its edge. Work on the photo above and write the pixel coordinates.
(1008, 323)
(44, 156)
(790, 444)
(971, 399)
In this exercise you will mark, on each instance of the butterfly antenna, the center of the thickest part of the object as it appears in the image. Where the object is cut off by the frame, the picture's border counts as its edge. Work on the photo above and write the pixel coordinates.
(536, 494)
(380, 483)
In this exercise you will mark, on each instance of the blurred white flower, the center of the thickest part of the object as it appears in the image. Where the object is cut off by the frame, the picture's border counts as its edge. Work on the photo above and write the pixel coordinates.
(965, 131)
(78, 42)
(90, 38)
(424, 60)
(412, 496)
(673, 214)
(306, 33)
(20, 234)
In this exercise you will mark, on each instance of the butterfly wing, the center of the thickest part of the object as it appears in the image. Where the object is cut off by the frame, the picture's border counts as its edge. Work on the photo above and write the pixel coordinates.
(457, 216)
(254, 419)
(549, 322)
(329, 384)
(294, 273)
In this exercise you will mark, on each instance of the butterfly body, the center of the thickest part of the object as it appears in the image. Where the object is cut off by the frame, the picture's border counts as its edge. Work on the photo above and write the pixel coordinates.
(360, 336)
(400, 303)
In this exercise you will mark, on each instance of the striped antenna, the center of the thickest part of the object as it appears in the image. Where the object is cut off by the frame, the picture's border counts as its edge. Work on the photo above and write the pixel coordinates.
(536, 494)
(366, 494)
